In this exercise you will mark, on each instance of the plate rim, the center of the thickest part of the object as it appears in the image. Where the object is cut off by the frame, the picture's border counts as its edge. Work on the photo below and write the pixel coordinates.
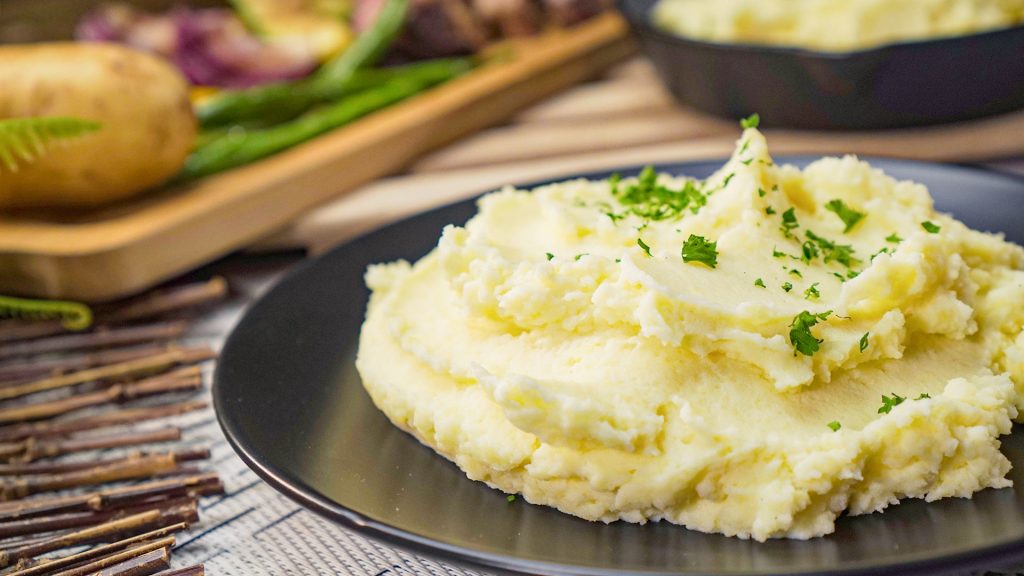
(1000, 554)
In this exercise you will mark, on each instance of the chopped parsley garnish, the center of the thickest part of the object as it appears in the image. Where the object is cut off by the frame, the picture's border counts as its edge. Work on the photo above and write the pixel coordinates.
(789, 222)
(893, 238)
(728, 179)
(849, 216)
(888, 403)
(747, 161)
(923, 396)
(931, 227)
(769, 211)
(743, 148)
(648, 199)
(809, 251)
(642, 244)
(885, 250)
(800, 334)
(761, 192)
(759, 283)
(613, 183)
(578, 256)
(550, 256)
(614, 217)
(699, 249)
(851, 274)
(864, 341)
(796, 273)
(840, 276)
(752, 121)
(835, 425)
(812, 293)
(787, 286)
(833, 252)
(776, 253)
(510, 498)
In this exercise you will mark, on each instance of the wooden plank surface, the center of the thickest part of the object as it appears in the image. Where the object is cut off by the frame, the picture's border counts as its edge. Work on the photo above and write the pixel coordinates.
(110, 253)
(626, 118)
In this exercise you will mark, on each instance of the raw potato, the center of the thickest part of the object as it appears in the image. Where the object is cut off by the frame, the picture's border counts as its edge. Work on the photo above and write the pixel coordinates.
(141, 101)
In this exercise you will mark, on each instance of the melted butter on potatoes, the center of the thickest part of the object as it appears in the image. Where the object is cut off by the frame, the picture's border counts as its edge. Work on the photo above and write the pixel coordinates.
(751, 355)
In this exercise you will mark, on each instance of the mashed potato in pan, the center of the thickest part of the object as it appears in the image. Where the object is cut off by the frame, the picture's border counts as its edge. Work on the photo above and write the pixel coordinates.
(833, 25)
(752, 354)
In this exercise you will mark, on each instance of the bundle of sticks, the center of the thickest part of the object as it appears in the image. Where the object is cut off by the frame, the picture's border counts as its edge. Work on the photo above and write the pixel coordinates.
(85, 488)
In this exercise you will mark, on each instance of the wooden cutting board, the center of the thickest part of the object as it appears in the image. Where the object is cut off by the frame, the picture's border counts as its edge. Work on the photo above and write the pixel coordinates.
(106, 254)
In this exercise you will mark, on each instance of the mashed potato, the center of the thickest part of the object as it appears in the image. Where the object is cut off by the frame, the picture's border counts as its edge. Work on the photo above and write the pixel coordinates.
(833, 25)
(750, 355)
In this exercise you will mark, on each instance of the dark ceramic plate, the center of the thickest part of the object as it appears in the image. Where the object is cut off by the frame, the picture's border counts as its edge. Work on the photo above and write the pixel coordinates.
(906, 84)
(291, 403)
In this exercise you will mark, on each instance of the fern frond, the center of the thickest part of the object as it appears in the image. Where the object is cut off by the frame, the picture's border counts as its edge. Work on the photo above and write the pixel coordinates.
(73, 315)
(23, 140)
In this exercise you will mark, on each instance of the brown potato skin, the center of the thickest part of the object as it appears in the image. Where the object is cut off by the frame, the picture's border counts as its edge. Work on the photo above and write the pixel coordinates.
(148, 127)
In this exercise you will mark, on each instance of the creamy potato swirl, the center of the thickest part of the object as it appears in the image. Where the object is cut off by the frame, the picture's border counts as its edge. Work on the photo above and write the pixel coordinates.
(786, 346)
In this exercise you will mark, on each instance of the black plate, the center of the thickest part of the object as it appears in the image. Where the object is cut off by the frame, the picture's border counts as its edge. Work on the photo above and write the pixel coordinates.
(291, 403)
(906, 84)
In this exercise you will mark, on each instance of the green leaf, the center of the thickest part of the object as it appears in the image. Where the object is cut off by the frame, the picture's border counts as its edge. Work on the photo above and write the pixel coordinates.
(699, 249)
(650, 200)
(550, 256)
(25, 140)
(835, 425)
(789, 223)
(787, 286)
(642, 244)
(812, 293)
(864, 341)
(800, 335)
(893, 238)
(889, 402)
(849, 216)
(759, 283)
(510, 498)
(931, 227)
(73, 315)
(923, 396)
(752, 121)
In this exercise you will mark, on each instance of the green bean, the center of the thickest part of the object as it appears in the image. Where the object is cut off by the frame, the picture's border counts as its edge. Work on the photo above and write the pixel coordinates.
(290, 98)
(243, 147)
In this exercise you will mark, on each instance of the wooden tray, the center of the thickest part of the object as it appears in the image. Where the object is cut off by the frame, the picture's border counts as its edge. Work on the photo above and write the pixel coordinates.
(111, 253)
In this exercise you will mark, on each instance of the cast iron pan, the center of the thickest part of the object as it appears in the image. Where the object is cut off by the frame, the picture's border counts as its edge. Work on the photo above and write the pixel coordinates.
(906, 84)
(291, 403)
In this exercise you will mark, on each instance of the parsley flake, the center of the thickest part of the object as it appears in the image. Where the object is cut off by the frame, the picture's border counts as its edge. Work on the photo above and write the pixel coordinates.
(759, 283)
(789, 223)
(650, 200)
(841, 253)
(728, 179)
(931, 227)
(699, 249)
(550, 256)
(812, 293)
(752, 121)
(747, 161)
(864, 341)
(787, 286)
(796, 273)
(642, 244)
(809, 251)
(510, 498)
(761, 192)
(835, 425)
(923, 396)
(888, 403)
(578, 256)
(849, 216)
(893, 238)
(776, 253)
(800, 335)
(769, 211)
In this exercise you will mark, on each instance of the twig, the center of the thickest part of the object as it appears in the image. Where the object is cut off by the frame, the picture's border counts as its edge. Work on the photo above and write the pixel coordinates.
(197, 570)
(91, 534)
(202, 485)
(106, 420)
(189, 455)
(44, 567)
(128, 469)
(99, 338)
(184, 380)
(131, 369)
(142, 565)
(32, 450)
(164, 301)
(25, 371)
(68, 521)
